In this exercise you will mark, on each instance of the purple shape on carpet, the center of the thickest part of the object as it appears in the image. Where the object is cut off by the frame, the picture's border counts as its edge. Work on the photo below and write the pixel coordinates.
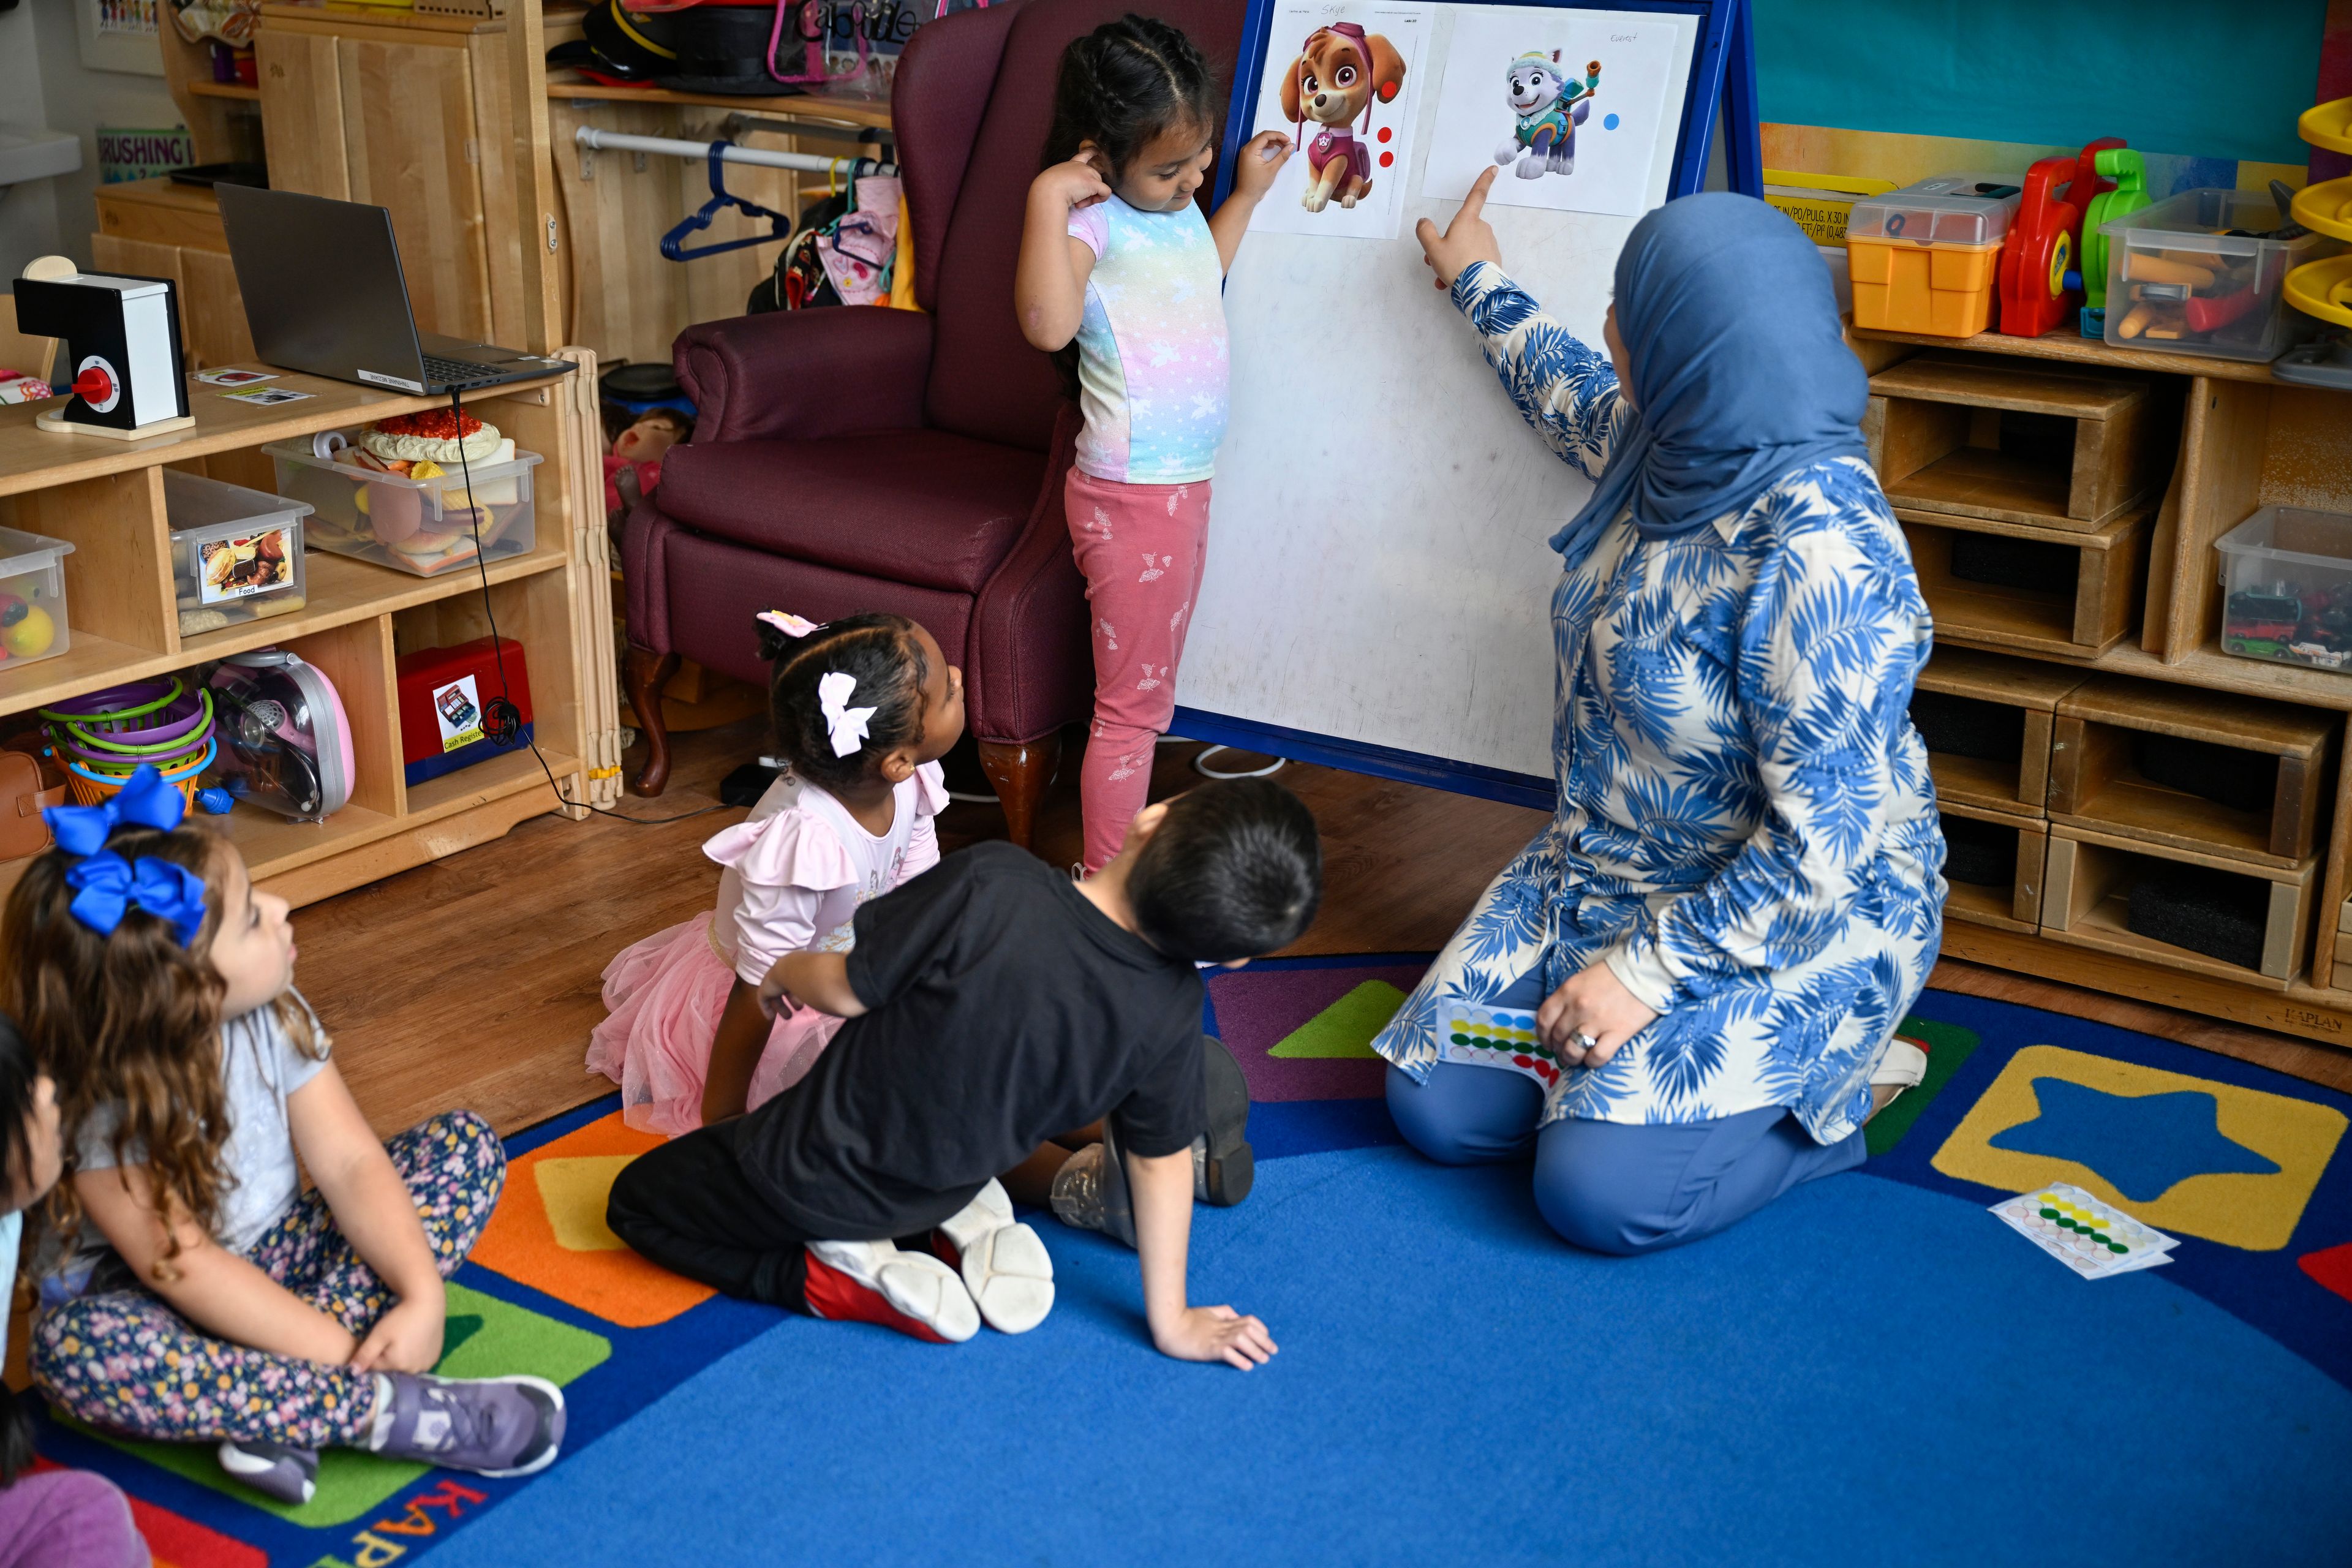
(1258, 1008)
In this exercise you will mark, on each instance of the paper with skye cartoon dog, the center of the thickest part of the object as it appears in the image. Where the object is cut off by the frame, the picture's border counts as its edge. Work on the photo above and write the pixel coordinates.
(1342, 82)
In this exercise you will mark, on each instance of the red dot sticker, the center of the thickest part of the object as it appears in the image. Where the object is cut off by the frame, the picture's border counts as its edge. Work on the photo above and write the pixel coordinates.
(1384, 133)
(1387, 159)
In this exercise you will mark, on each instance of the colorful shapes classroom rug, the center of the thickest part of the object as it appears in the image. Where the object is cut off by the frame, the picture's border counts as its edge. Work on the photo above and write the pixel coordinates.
(1876, 1369)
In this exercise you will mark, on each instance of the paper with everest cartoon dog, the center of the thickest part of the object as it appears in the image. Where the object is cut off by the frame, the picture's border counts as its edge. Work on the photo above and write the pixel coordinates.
(1546, 107)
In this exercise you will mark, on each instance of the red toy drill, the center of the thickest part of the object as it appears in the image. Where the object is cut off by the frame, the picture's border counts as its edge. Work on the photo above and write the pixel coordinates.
(2044, 241)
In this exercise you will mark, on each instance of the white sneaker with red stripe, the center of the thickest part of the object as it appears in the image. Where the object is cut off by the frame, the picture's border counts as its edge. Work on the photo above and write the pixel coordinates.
(1005, 1265)
(874, 1282)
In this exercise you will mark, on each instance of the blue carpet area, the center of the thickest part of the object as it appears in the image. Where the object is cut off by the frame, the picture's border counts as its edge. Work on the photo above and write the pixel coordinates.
(1869, 1371)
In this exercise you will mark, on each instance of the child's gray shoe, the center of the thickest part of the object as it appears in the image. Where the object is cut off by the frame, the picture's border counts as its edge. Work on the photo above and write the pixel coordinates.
(278, 1470)
(1090, 1191)
(491, 1425)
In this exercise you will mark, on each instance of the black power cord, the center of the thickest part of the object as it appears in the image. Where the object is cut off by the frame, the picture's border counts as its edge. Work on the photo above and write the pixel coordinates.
(502, 718)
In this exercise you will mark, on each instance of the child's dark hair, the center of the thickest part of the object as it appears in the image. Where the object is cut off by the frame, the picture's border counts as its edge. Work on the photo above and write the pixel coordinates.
(882, 654)
(1120, 86)
(17, 1071)
(1236, 870)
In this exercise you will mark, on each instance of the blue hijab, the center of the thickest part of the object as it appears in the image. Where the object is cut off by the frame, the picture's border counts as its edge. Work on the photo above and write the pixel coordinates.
(1740, 375)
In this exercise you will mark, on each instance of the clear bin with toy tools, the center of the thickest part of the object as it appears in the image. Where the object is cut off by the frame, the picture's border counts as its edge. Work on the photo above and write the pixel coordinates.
(2202, 273)
(1924, 258)
(2286, 575)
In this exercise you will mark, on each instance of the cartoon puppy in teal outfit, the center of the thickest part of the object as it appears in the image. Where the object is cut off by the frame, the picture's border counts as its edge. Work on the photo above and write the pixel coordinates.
(1549, 107)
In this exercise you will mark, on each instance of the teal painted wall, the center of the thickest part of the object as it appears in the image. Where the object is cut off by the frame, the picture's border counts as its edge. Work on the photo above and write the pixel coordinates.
(2211, 78)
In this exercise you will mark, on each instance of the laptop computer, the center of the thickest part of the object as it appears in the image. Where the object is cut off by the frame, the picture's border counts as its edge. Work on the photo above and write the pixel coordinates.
(324, 294)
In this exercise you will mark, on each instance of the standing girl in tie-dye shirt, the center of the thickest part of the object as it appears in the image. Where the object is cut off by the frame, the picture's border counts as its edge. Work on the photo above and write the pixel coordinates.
(1120, 273)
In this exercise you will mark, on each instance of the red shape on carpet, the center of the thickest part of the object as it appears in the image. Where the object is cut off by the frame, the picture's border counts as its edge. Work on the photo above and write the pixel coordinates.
(2332, 1268)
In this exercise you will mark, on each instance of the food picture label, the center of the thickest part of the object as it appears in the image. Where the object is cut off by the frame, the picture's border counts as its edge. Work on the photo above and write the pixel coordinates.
(458, 709)
(240, 568)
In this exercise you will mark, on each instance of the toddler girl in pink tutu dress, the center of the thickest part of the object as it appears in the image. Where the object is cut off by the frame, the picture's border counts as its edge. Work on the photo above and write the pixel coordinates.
(862, 709)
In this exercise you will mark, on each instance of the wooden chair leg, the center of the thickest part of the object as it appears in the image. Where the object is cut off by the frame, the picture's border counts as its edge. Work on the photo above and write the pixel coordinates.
(1020, 774)
(648, 674)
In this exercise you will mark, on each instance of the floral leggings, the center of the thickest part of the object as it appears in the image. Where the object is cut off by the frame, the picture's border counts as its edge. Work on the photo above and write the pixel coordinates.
(124, 1361)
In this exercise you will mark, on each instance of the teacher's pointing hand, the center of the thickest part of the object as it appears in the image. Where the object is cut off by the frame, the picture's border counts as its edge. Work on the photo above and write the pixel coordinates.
(1467, 240)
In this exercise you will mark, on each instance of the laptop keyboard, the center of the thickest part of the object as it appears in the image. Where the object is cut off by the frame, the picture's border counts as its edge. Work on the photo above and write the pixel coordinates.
(458, 372)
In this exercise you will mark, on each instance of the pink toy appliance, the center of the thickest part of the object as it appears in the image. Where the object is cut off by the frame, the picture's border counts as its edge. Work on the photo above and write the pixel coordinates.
(285, 742)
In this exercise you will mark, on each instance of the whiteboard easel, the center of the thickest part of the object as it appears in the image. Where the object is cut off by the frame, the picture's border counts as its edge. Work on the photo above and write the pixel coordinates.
(1378, 583)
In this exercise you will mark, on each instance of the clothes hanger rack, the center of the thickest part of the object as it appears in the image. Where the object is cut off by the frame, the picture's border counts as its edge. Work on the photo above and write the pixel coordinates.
(717, 155)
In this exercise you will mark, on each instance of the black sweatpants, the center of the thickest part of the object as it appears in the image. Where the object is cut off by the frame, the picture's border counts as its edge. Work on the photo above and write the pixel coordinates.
(687, 1207)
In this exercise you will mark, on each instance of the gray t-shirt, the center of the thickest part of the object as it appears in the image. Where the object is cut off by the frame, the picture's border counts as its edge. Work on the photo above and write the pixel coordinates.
(261, 1066)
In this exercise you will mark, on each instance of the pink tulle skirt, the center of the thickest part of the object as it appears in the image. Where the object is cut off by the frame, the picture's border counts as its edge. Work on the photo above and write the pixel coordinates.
(665, 996)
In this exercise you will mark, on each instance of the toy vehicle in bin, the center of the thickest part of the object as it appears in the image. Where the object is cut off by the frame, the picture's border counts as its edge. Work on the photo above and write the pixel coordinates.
(459, 707)
(2288, 575)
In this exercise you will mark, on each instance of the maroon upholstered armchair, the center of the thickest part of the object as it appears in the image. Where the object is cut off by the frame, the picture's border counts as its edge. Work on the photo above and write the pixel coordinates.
(862, 458)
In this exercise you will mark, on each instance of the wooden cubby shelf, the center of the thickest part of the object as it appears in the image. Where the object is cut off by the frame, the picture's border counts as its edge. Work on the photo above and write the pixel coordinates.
(1994, 868)
(2132, 464)
(105, 498)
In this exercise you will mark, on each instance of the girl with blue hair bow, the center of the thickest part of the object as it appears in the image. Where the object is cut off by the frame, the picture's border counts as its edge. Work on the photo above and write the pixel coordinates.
(1691, 980)
(190, 1290)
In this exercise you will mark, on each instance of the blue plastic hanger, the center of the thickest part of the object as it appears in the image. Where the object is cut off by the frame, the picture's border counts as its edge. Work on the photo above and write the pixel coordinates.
(672, 246)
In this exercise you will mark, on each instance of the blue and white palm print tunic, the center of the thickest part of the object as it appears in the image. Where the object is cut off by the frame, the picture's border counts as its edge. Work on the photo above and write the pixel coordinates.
(1747, 832)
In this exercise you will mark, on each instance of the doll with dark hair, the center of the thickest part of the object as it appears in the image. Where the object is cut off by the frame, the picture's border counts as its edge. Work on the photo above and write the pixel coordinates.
(863, 709)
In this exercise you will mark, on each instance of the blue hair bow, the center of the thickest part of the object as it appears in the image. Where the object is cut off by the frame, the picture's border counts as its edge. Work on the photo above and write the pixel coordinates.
(105, 885)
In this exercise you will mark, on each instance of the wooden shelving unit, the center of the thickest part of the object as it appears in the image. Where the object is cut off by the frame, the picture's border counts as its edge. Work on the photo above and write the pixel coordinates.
(2245, 440)
(105, 497)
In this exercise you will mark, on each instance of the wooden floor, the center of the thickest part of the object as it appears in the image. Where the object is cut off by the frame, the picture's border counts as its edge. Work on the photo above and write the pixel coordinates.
(474, 981)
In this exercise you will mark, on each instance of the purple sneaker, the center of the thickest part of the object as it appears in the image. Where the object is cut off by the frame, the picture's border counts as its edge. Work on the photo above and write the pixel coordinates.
(491, 1426)
(279, 1470)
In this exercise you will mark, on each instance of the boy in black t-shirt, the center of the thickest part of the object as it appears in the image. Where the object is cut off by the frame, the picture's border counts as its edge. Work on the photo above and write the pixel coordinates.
(991, 1004)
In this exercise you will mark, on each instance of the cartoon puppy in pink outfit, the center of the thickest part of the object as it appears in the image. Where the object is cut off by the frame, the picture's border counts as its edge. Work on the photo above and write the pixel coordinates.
(1339, 74)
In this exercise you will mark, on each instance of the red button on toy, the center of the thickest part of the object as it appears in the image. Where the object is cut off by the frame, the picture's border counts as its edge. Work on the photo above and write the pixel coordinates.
(93, 385)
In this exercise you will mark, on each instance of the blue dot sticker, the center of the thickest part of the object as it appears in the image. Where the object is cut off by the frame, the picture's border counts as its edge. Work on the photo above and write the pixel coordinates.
(1608, 122)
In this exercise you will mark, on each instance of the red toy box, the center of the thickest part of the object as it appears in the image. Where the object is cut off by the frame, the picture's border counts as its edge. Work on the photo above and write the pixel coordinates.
(452, 714)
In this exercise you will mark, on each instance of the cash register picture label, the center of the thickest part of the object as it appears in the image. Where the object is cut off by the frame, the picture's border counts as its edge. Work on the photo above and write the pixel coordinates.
(458, 708)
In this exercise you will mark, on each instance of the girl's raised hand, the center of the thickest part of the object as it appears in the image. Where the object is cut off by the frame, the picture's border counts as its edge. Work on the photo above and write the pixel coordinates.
(1468, 238)
(1071, 184)
(1261, 159)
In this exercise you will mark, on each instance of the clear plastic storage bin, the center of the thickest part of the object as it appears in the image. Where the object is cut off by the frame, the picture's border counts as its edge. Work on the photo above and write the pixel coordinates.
(2286, 575)
(236, 554)
(32, 597)
(2198, 274)
(427, 526)
(1925, 258)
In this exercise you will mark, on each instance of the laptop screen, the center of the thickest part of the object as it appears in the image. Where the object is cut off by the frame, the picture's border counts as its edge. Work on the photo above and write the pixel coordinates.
(322, 286)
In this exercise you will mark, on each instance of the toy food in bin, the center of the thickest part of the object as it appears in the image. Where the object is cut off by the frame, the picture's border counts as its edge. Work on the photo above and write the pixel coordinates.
(236, 554)
(2287, 579)
(1924, 258)
(397, 493)
(32, 597)
(2203, 273)
(286, 745)
(455, 706)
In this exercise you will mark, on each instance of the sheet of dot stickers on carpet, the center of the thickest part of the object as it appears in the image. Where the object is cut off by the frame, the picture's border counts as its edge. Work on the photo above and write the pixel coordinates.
(2095, 1239)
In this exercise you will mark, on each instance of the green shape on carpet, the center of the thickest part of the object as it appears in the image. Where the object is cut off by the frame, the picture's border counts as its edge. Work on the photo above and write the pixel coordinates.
(1948, 1046)
(1344, 1030)
(484, 1337)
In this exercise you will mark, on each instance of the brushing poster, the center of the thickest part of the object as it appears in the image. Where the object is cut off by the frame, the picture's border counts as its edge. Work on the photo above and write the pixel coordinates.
(1564, 103)
(1342, 82)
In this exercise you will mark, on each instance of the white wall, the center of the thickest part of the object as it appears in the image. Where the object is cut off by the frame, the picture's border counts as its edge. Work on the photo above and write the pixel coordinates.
(39, 35)
(28, 213)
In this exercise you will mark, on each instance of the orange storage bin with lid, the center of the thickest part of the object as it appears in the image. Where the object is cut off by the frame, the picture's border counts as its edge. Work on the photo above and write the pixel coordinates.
(1925, 258)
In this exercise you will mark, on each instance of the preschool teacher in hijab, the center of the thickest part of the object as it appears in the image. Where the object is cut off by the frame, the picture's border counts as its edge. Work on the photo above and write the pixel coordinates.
(1681, 999)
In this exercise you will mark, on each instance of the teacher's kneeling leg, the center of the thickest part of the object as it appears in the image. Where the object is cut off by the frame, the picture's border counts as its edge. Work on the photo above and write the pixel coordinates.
(1624, 1188)
(1467, 1114)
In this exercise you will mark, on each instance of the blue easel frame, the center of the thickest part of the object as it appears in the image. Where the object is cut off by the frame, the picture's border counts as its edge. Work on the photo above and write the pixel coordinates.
(1723, 75)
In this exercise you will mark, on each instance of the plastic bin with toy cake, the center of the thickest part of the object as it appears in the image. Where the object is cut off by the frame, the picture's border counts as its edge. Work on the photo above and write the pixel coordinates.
(2201, 273)
(236, 554)
(1924, 258)
(2286, 575)
(396, 492)
(32, 597)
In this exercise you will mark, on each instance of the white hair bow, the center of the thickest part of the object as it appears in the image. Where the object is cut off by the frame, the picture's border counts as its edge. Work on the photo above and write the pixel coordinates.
(789, 624)
(847, 725)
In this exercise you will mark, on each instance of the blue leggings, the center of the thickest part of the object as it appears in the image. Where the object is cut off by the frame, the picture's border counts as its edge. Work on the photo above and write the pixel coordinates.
(1607, 1185)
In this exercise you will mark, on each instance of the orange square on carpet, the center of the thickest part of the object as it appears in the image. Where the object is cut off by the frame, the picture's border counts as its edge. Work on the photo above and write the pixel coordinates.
(549, 1233)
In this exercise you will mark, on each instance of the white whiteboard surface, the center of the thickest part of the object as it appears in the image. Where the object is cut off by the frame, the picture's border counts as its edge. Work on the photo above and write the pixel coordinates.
(1377, 571)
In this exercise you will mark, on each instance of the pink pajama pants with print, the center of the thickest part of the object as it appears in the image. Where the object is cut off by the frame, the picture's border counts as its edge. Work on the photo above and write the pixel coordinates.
(1140, 547)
